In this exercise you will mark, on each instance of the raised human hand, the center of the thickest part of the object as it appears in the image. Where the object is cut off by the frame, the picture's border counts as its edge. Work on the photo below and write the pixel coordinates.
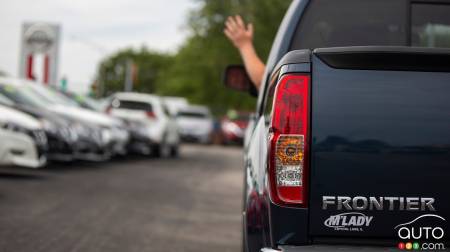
(238, 33)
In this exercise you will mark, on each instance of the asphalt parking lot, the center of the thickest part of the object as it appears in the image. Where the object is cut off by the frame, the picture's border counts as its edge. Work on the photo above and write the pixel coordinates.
(191, 203)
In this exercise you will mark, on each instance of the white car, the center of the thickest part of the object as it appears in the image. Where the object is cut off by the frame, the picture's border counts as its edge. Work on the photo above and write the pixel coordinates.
(108, 135)
(23, 140)
(174, 104)
(114, 136)
(195, 123)
(157, 131)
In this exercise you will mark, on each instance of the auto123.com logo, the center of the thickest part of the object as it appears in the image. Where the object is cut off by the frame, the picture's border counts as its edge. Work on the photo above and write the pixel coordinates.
(416, 235)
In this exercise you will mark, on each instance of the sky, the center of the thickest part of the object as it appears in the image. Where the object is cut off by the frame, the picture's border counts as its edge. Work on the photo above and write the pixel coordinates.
(91, 30)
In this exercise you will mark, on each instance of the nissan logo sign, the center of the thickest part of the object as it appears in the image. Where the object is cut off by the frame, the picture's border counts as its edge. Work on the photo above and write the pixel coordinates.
(39, 38)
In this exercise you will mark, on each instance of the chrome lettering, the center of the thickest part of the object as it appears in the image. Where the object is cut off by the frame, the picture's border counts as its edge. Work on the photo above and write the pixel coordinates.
(361, 203)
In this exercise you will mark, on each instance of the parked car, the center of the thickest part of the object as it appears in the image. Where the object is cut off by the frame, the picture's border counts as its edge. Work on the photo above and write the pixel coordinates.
(137, 130)
(23, 141)
(174, 104)
(61, 136)
(350, 146)
(233, 127)
(85, 101)
(114, 132)
(92, 141)
(195, 123)
(5, 101)
(156, 131)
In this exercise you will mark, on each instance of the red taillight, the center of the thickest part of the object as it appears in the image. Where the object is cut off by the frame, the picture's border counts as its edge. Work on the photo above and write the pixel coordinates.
(150, 114)
(288, 153)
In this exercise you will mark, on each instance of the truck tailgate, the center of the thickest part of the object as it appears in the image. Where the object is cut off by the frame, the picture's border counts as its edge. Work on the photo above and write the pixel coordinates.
(380, 133)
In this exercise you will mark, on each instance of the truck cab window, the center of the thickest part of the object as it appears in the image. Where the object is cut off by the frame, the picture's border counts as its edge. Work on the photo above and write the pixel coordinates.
(430, 25)
(269, 102)
(330, 23)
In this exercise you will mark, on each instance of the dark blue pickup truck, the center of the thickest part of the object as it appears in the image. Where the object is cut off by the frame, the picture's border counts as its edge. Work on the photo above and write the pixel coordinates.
(349, 147)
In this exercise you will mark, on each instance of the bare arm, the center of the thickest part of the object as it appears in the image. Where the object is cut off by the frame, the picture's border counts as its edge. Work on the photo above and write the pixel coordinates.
(242, 38)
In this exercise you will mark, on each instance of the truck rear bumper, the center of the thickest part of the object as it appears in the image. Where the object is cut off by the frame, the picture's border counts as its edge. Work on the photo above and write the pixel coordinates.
(323, 248)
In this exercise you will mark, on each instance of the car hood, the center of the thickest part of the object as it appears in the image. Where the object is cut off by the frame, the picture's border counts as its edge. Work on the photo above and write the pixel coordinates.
(86, 115)
(10, 115)
(38, 113)
(194, 123)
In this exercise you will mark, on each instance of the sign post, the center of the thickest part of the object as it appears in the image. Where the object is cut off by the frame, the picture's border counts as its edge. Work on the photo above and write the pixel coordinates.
(43, 39)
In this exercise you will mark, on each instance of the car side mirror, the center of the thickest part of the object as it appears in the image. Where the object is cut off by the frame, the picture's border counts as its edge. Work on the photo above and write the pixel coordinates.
(235, 77)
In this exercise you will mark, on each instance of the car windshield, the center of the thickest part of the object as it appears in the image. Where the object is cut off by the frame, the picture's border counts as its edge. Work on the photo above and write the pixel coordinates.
(87, 102)
(53, 96)
(5, 100)
(24, 95)
(132, 105)
(194, 114)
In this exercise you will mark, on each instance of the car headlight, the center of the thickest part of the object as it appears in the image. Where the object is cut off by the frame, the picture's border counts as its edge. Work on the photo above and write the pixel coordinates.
(38, 135)
(96, 134)
(81, 130)
(120, 133)
(69, 133)
(88, 132)
(14, 127)
(65, 132)
(106, 135)
(49, 126)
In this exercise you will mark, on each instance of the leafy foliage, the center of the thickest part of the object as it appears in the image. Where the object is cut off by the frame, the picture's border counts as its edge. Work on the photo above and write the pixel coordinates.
(149, 66)
(196, 70)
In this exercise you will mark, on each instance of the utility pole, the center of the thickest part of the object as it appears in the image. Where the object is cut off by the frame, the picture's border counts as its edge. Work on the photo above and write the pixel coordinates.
(101, 81)
(128, 85)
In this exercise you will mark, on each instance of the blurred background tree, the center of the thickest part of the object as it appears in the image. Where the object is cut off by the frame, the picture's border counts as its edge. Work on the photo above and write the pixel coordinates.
(3, 73)
(148, 65)
(195, 71)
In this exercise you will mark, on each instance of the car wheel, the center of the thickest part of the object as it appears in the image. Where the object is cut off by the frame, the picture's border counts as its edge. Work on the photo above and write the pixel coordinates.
(162, 150)
(174, 150)
(156, 151)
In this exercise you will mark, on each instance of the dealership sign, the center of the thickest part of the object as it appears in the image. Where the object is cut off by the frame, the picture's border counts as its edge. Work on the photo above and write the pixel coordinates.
(39, 39)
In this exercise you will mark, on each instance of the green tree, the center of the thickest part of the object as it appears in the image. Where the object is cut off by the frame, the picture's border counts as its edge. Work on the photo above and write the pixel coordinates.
(198, 66)
(195, 71)
(148, 66)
